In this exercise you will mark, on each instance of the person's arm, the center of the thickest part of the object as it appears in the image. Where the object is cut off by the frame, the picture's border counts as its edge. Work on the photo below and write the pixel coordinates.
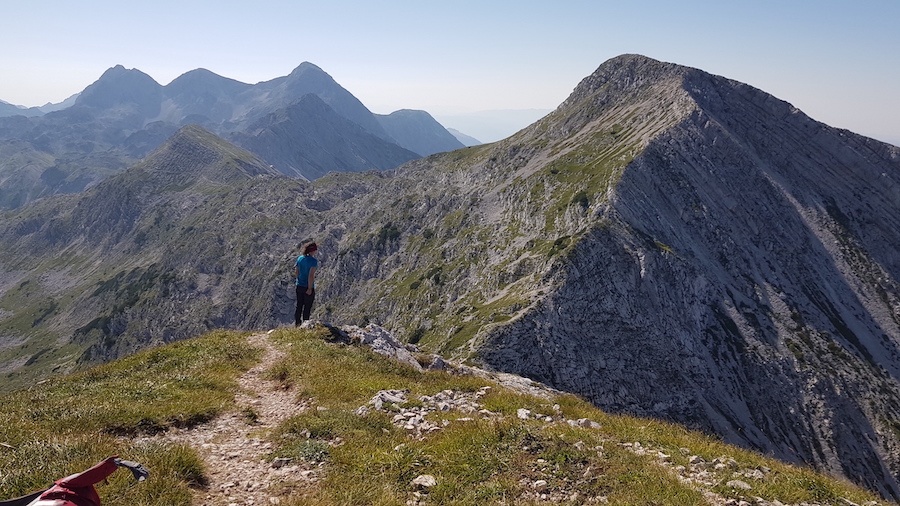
(312, 278)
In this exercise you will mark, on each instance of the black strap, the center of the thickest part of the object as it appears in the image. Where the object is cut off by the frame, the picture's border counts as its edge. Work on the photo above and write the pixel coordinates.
(24, 500)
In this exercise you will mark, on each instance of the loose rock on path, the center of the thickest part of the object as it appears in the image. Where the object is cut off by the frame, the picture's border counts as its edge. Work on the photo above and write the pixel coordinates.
(238, 469)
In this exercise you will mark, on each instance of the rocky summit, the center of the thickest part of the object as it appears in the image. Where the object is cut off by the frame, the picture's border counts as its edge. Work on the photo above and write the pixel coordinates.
(666, 243)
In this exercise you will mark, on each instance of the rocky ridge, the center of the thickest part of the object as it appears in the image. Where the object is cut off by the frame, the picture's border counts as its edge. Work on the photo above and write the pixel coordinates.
(725, 266)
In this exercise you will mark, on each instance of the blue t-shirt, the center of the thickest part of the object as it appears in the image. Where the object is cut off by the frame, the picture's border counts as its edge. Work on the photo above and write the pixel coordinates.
(304, 264)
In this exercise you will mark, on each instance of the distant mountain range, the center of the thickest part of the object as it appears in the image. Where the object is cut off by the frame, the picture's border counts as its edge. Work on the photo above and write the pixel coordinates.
(7, 109)
(666, 243)
(463, 138)
(111, 124)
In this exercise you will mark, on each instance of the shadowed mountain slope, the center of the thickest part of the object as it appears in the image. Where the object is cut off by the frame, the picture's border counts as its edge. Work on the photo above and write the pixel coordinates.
(308, 140)
(418, 132)
(94, 266)
(202, 97)
(306, 79)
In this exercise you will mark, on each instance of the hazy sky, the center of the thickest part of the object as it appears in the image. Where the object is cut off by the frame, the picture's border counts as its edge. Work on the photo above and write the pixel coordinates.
(837, 60)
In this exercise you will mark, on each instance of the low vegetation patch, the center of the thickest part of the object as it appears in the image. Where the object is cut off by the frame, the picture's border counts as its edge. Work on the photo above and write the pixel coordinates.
(66, 425)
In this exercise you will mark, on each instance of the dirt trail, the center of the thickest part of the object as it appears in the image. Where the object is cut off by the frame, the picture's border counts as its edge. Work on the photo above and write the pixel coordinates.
(233, 445)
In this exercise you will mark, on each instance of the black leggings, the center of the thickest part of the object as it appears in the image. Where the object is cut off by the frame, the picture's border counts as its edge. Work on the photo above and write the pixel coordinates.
(304, 304)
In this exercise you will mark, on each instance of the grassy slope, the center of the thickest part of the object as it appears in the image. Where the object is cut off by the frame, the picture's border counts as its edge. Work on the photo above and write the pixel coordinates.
(67, 424)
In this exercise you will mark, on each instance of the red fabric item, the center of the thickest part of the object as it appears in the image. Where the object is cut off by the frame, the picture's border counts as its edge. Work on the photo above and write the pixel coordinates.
(78, 489)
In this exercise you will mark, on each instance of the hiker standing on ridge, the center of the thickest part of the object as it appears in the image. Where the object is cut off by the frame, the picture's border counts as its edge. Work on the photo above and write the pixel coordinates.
(305, 272)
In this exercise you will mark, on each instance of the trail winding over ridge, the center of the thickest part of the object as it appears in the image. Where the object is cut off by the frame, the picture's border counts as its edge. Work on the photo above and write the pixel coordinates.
(234, 447)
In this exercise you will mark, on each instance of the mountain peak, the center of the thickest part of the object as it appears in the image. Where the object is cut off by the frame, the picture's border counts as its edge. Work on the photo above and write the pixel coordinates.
(198, 74)
(119, 71)
(119, 87)
(623, 73)
(307, 67)
(193, 133)
(628, 81)
(199, 84)
(202, 75)
(308, 76)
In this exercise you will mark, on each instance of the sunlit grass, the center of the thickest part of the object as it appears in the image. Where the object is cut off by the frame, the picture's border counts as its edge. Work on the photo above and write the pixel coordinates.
(496, 460)
(65, 425)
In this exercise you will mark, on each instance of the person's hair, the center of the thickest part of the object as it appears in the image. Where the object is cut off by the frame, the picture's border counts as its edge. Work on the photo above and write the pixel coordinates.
(309, 248)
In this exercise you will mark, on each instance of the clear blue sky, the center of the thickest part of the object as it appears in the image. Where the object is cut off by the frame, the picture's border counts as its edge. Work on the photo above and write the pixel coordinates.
(839, 61)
